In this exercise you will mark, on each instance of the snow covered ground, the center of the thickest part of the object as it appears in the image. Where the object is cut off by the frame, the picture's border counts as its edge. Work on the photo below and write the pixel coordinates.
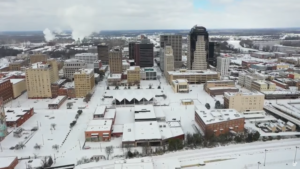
(3, 62)
(236, 44)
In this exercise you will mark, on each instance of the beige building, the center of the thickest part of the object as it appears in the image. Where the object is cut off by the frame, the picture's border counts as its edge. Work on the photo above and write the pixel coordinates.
(115, 62)
(168, 59)
(180, 86)
(193, 76)
(281, 66)
(261, 85)
(38, 58)
(244, 101)
(39, 78)
(16, 65)
(218, 83)
(84, 82)
(114, 79)
(19, 87)
(133, 75)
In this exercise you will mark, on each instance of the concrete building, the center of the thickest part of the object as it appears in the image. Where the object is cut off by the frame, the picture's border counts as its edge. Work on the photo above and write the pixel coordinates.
(180, 86)
(282, 66)
(223, 66)
(161, 59)
(193, 76)
(99, 130)
(214, 53)
(133, 75)
(125, 65)
(260, 85)
(175, 41)
(131, 47)
(218, 83)
(16, 65)
(57, 102)
(244, 101)
(6, 90)
(263, 55)
(92, 49)
(281, 94)
(39, 78)
(84, 82)
(71, 66)
(18, 86)
(89, 58)
(103, 53)
(168, 59)
(115, 62)
(148, 73)
(114, 79)
(220, 121)
(34, 58)
(198, 48)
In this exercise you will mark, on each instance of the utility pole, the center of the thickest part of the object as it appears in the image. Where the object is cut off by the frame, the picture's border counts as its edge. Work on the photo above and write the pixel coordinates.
(295, 154)
(258, 163)
(265, 157)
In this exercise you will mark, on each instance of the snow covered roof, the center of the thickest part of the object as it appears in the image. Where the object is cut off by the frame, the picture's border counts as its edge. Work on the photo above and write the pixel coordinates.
(13, 114)
(144, 112)
(114, 76)
(128, 132)
(117, 128)
(6, 161)
(15, 81)
(99, 125)
(170, 129)
(84, 71)
(192, 72)
(138, 163)
(129, 95)
(290, 124)
(100, 110)
(110, 114)
(58, 99)
(218, 115)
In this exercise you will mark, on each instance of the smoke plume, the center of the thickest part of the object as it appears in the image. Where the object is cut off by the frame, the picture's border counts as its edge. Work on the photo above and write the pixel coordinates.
(82, 21)
(49, 36)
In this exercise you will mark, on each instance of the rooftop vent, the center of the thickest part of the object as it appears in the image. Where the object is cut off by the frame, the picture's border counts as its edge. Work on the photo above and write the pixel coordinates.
(129, 130)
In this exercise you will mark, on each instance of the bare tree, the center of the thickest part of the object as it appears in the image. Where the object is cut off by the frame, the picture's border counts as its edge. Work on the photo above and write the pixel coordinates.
(69, 105)
(109, 150)
(37, 146)
(53, 125)
(35, 156)
(20, 145)
(150, 86)
(55, 146)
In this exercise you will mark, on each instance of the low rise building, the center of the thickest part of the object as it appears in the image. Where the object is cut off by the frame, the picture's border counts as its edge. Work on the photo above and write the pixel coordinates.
(213, 91)
(84, 81)
(148, 73)
(133, 75)
(281, 94)
(15, 117)
(193, 76)
(294, 76)
(244, 101)
(282, 66)
(56, 86)
(89, 58)
(18, 86)
(180, 86)
(17, 65)
(144, 113)
(218, 84)
(114, 79)
(220, 121)
(57, 102)
(263, 55)
(99, 130)
(261, 85)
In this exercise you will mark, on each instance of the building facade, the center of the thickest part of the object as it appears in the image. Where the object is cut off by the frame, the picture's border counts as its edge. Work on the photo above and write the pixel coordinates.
(180, 86)
(168, 59)
(15, 117)
(115, 62)
(103, 53)
(19, 87)
(223, 66)
(260, 86)
(6, 90)
(214, 52)
(84, 82)
(244, 101)
(175, 41)
(89, 58)
(148, 74)
(218, 83)
(198, 48)
(144, 55)
(133, 75)
(193, 76)
(71, 66)
(39, 78)
(34, 58)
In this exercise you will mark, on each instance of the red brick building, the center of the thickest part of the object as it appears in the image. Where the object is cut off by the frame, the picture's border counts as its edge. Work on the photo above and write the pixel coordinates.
(8, 162)
(220, 121)
(6, 90)
(15, 117)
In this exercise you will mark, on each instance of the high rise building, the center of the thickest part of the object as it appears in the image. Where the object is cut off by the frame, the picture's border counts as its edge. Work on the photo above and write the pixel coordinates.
(3, 127)
(84, 82)
(168, 59)
(39, 78)
(214, 52)
(144, 54)
(89, 58)
(115, 62)
(175, 41)
(103, 53)
(198, 48)
(131, 47)
(71, 66)
(223, 66)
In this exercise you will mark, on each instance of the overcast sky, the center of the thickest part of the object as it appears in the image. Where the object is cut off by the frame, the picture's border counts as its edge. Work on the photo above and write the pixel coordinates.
(19, 15)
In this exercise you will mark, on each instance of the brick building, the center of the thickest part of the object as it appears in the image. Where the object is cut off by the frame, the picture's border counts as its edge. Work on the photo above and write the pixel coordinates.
(6, 90)
(221, 121)
(56, 86)
(8, 162)
(15, 117)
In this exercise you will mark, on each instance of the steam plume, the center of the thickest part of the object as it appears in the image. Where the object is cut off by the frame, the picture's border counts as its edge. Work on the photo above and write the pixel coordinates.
(49, 36)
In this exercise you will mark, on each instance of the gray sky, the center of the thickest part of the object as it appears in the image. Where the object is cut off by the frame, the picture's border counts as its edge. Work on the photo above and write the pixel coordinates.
(17, 15)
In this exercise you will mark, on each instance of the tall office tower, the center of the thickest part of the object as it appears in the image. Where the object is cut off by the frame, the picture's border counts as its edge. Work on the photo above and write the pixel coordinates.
(71, 66)
(197, 53)
(84, 81)
(214, 53)
(176, 43)
(161, 59)
(39, 78)
(168, 59)
(131, 47)
(144, 54)
(223, 65)
(103, 53)
(3, 127)
(115, 62)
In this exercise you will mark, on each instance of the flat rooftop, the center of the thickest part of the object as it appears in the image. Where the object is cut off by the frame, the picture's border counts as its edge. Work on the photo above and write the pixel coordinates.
(114, 76)
(40, 65)
(58, 99)
(13, 114)
(220, 81)
(99, 125)
(193, 72)
(74, 60)
(15, 81)
(110, 114)
(100, 110)
(180, 81)
(86, 54)
(218, 115)
(229, 94)
(84, 71)
(143, 112)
